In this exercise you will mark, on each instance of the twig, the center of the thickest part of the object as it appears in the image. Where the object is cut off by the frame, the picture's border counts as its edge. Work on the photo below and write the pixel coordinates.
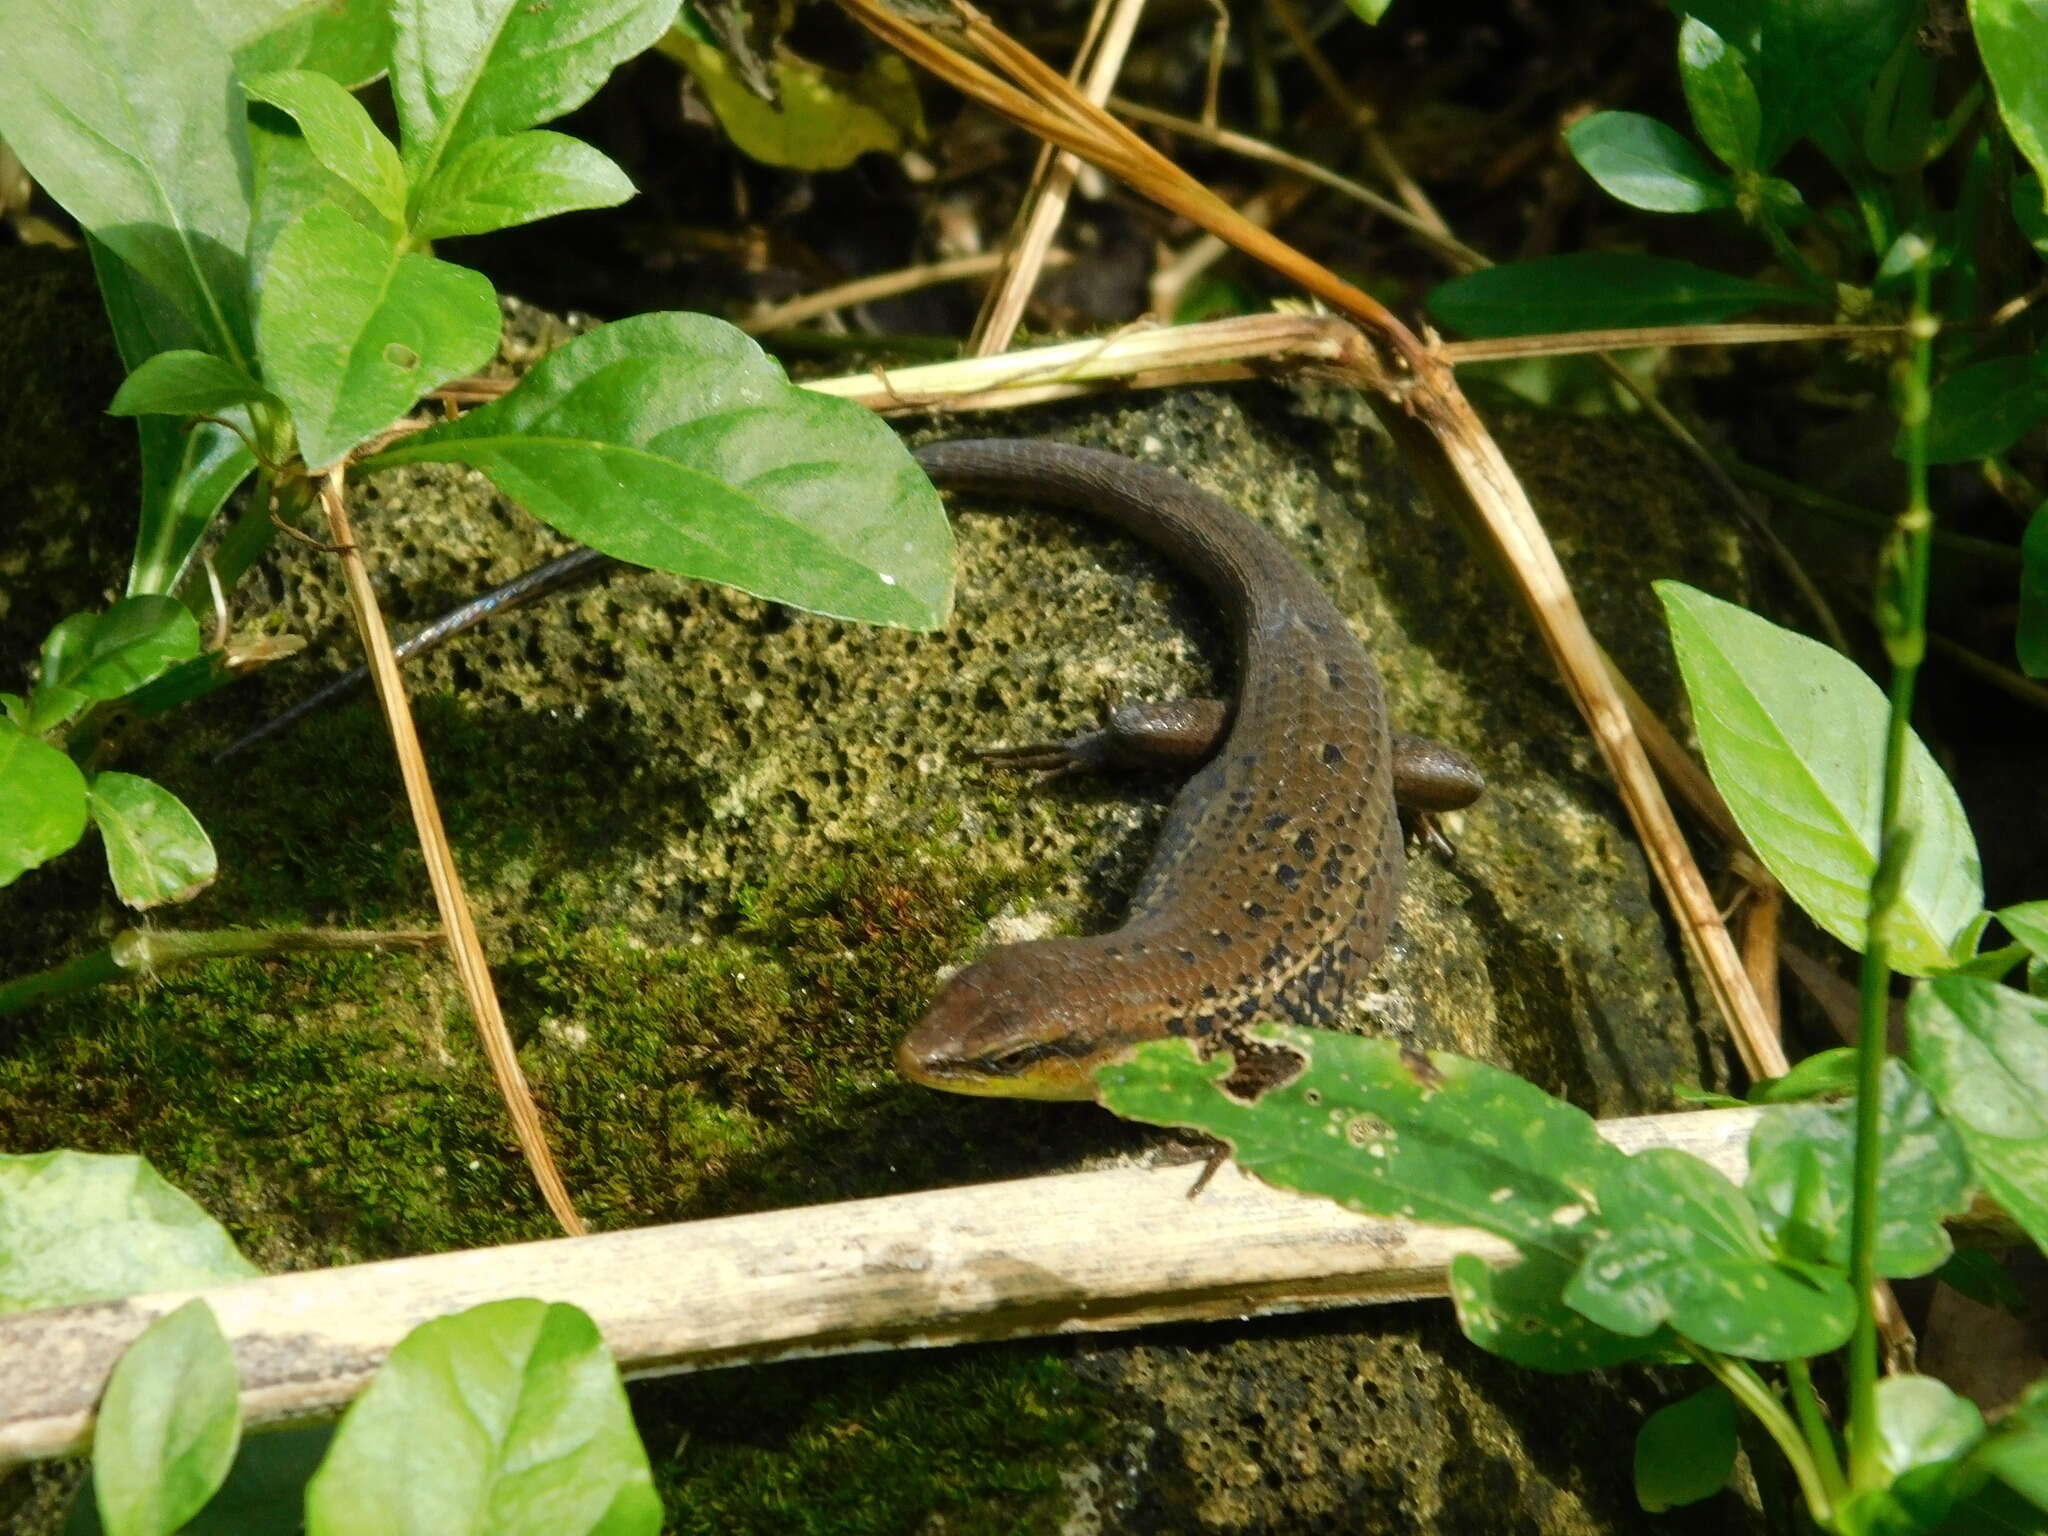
(449, 897)
(1110, 30)
(882, 285)
(1455, 252)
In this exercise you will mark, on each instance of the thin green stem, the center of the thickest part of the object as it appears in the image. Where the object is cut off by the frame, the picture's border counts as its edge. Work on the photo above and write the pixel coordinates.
(137, 953)
(251, 533)
(1804, 270)
(1753, 1393)
(1901, 613)
(1813, 1422)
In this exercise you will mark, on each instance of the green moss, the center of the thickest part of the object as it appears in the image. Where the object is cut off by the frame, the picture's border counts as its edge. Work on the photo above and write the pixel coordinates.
(974, 1444)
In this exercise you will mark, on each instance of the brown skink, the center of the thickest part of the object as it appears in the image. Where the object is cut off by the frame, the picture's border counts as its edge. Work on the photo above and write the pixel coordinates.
(1281, 863)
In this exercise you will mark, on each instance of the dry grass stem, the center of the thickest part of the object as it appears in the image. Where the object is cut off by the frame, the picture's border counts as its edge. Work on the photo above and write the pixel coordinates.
(449, 898)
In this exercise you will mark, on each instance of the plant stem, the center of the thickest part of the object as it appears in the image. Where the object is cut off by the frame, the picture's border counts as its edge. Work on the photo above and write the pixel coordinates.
(1753, 1393)
(1819, 1439)
(1901, 611)
(137, 953)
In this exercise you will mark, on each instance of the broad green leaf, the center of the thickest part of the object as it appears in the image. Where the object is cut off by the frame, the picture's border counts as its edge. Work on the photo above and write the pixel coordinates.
(341, 136)
(2012, 39)
(103, 656)
(2031, 641)
(354, 330)
(168, 1426)
(1982, 1051)
(1386, 1131)
(349, 40)
(508, 1418)
(1685, 1452)
(1369, 11)
(1807, 57)
(42, 802)
(1826, 1072)
(1921, 1422)
(186, 474)
(1594, 290)
(1811, 1149)
(673, 441)
(2018, 1450)
(1718, 91)
(1518, 1312)
(15, 708)
(156, 850)
(498, 182)
(1646, 164)
(1793, 734)
(821, 120)
(264, 1494)
(185, 384)
(2027, 921)
(78, 1227)
(464, 72)
(1984, 409)
(1686, 1250)
(126, 112)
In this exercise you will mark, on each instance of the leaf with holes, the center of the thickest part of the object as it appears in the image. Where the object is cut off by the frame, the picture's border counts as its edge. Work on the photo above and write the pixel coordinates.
(352, 330)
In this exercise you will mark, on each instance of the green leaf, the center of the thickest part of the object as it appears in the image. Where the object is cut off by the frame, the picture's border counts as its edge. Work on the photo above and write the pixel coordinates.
(2031, 641)
(1687, 1250)
(1386, 1131)
(103, 656)
(263, 1496)
(1810, 1150)
(1983, 409)
(499, 182)
(1808, 57)
(508, 1418)
(353, 330)
(1982, 1051)
(673, 441)
(2012, 39)
(156, 850)
(821, 119)
(1686, 1452)
(126, 112)
(42, 802)
(77, 1227)
(341, 136)
(1979, 1275)
(1369, 11)
(1646, 164)
(2030, 211)
(349, 40)
(2018, 1450)
(1920, 1422)
(463, 73)
(2027, 921)
(1592, 290)
(1718, 91)
(1793, 734)
(185, 384)
(168, 1426)
(1826, 1072)
(1519, 1313)
(186, 474)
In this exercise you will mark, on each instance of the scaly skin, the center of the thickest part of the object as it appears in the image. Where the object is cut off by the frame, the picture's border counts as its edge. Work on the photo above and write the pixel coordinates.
(1281, 864)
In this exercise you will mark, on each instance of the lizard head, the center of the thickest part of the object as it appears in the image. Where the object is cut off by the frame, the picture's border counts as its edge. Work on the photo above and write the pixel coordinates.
(1010, 1026)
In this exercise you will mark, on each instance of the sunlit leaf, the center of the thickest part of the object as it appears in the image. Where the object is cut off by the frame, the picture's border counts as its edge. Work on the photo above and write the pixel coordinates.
(156, 850)
(498, 182)
(42, 802)
(168, 1426)
(1794, 734)
(1647, 164)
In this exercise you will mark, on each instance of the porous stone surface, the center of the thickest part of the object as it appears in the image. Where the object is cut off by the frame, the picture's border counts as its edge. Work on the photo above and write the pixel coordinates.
(722, 851)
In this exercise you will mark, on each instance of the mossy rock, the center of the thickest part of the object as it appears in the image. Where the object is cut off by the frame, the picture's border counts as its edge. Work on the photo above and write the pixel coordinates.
(721, 852)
